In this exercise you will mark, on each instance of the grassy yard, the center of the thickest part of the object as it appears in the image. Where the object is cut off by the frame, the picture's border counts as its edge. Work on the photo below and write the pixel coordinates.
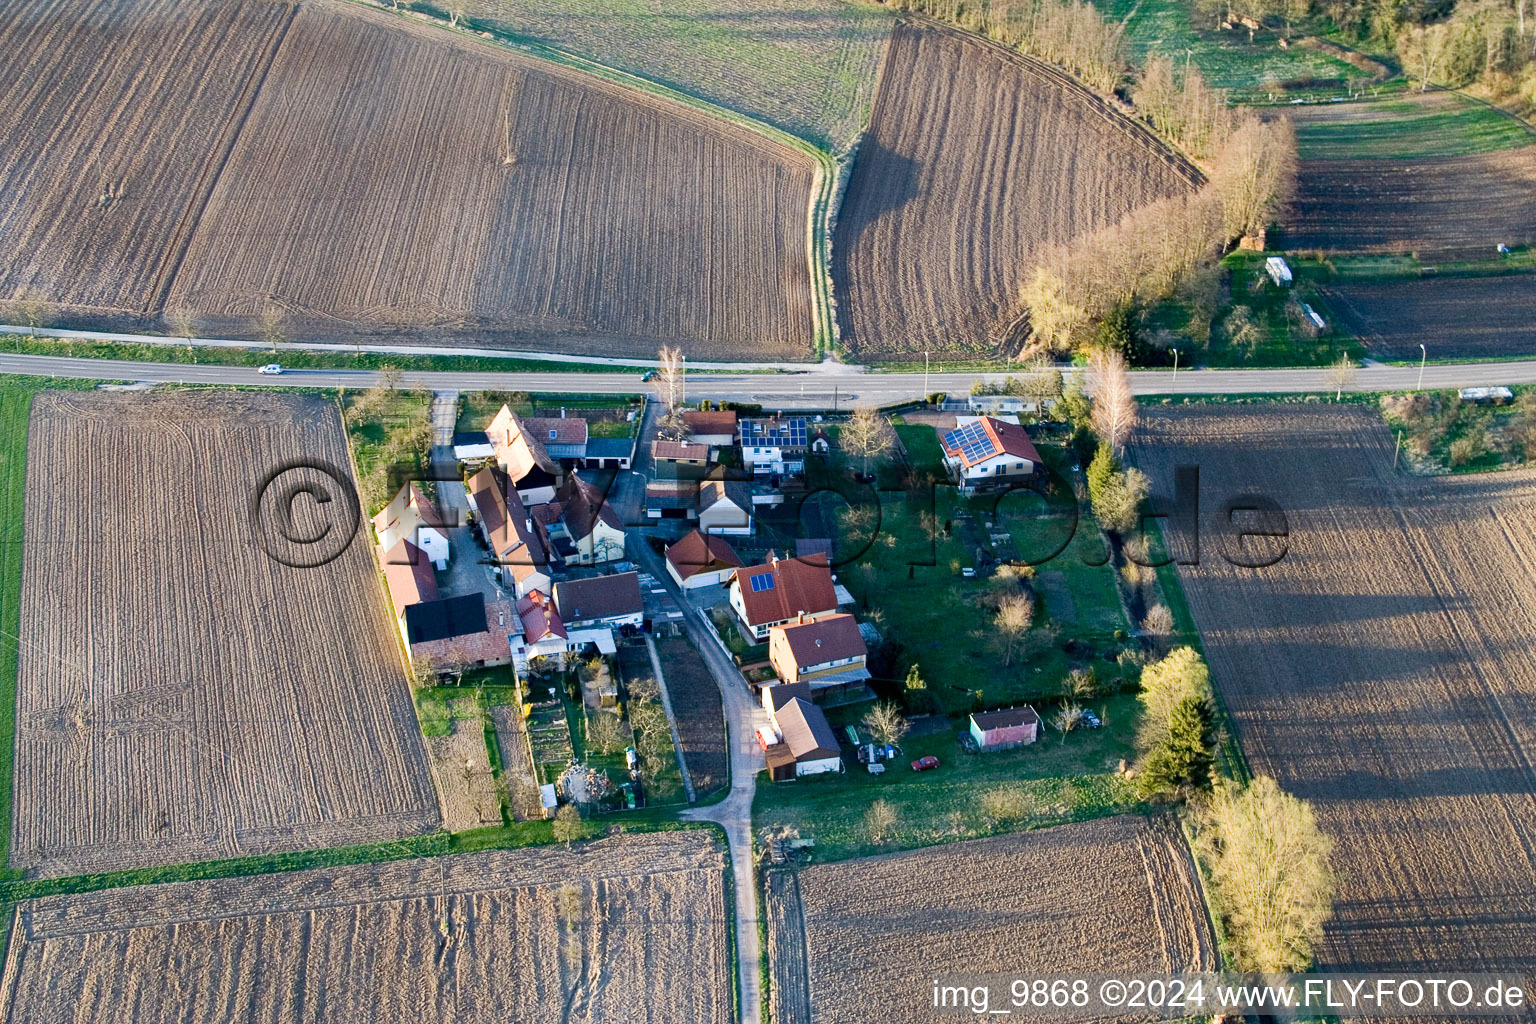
(1403, 130)
(1060, 778)
(15, 405)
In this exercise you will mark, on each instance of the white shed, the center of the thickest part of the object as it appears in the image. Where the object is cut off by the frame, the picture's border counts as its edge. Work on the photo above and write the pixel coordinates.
(1279, 271)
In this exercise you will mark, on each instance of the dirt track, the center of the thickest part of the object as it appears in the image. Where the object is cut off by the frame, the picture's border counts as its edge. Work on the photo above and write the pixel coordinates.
(619, 931)
(1115, 894)
(976, 157)
(1384, 669)
(182, 695)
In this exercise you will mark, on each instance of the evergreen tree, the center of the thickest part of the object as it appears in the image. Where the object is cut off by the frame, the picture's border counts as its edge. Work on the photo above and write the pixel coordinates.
(1102, 472)
(1183, 760)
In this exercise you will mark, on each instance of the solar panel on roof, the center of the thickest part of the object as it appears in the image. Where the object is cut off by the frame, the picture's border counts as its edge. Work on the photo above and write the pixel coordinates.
(761, 581)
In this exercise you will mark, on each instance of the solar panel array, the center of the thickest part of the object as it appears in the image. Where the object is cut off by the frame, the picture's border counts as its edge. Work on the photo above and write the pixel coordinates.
(761, 581)
(766, 434)
(973, 442)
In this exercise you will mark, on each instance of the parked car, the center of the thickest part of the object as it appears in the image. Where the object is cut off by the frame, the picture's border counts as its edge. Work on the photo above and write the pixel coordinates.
(922, 764)
(1092, 720)
(271, 369)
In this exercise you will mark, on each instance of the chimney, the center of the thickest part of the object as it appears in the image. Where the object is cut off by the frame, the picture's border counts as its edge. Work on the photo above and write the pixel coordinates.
(801, 618)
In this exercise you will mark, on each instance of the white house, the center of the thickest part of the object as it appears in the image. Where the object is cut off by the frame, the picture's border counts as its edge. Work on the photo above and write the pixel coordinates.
(774, 445)
(411, 516)
(701, 561)
(522, 456)
(782, 590)
(600, 601)
(804, 730)
(984, 452)
(584, 529)
(543, 634)
(725, 506)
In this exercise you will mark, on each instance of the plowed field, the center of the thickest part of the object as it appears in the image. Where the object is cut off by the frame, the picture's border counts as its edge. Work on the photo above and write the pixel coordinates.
(626, 930)
(1385, 669)
(182, 695)
(976, 158)
(1116, 894)
(1467, 317)
(115, 121)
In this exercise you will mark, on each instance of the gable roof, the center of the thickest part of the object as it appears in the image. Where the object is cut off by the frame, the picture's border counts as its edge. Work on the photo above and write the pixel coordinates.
(784, 587)
(556, 429)
(774, 433)
(408, 511)
(986, 438)
(583, 506)
(408, 575)
(539, 617)
(516, 449)
(679, 450)
(598, 597)
(807, 546)
(672, 494)
(699, 552)
(445, 618)
(822, 640)
(780, 694)
(738, 492)
(515, 544)
(490, 644)
(1005, 718)
(710, 421)
(806, 731)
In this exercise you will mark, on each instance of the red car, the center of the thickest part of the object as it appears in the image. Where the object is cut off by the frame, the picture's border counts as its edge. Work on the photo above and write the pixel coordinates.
(922, 764)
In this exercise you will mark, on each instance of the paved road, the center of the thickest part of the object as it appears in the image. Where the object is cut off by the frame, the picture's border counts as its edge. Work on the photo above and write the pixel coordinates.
(842, 386)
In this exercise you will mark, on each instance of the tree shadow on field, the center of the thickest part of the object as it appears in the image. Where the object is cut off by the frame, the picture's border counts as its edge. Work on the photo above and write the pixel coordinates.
(883, 181)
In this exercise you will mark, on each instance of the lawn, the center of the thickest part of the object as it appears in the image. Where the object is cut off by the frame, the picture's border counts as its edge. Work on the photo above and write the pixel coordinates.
(15, 405)
(1060, 778)
(1401, 130)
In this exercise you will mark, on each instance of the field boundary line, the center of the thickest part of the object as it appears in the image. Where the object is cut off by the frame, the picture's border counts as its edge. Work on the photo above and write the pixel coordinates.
(824, 165)
(666, 703)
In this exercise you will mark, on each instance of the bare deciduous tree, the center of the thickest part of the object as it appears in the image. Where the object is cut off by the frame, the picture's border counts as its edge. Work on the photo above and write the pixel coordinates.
(879, 819)
(1255, 175)
(272, 326)
(1003, 804)
(1270, 868)
(1158, 620)
(868, 435)
(1341, 377)
(671, 384)
(886, 723)
(1015, 615)
(1114, 404)
(1067, 717)
(568, 826)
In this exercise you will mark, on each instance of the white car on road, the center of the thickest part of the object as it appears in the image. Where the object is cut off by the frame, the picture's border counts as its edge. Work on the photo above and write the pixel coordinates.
(271, 369)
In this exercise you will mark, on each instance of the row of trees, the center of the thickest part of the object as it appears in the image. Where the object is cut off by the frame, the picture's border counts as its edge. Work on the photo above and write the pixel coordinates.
(1075, 285)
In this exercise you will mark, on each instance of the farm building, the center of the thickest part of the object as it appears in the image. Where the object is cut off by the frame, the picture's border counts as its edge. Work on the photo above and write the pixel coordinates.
(460, 632)
(564, 437)
(807, 737)
(411, 515)
(544, 635)
(826, 653)
(700, 561)
(782, 590)
(725, 506)
(985, 452)
(522, 456)
(1005, 728)
(711, 427)
(408, 575)
(672, 499)
(607, 601)
(583, 528)
(774, 445)
(518, 545)
(680, 460)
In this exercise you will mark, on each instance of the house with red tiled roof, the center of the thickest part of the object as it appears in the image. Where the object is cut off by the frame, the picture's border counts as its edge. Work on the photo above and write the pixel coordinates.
(782, 590)
(701, 560)
(715, 427)
(584, 527)
(827, 653)
(519, 545)
(411, 515)
(457, 633)
(563, 437)
(544, 634)
(522, 457)
(986, 452)
(409, 577)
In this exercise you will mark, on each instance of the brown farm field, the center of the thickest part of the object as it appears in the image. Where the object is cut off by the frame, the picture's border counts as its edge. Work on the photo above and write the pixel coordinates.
(182, 694)
(632, 929)
(976, 158)
(700, 713)
(115, 125)
(1114, 894)
(1455, 317)
(1384, 669)
(386, 179)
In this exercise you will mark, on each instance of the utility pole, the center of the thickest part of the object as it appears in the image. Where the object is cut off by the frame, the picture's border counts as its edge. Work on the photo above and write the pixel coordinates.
(926, 392)
(1423, 358)
(834, 398)
(1175, 367)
